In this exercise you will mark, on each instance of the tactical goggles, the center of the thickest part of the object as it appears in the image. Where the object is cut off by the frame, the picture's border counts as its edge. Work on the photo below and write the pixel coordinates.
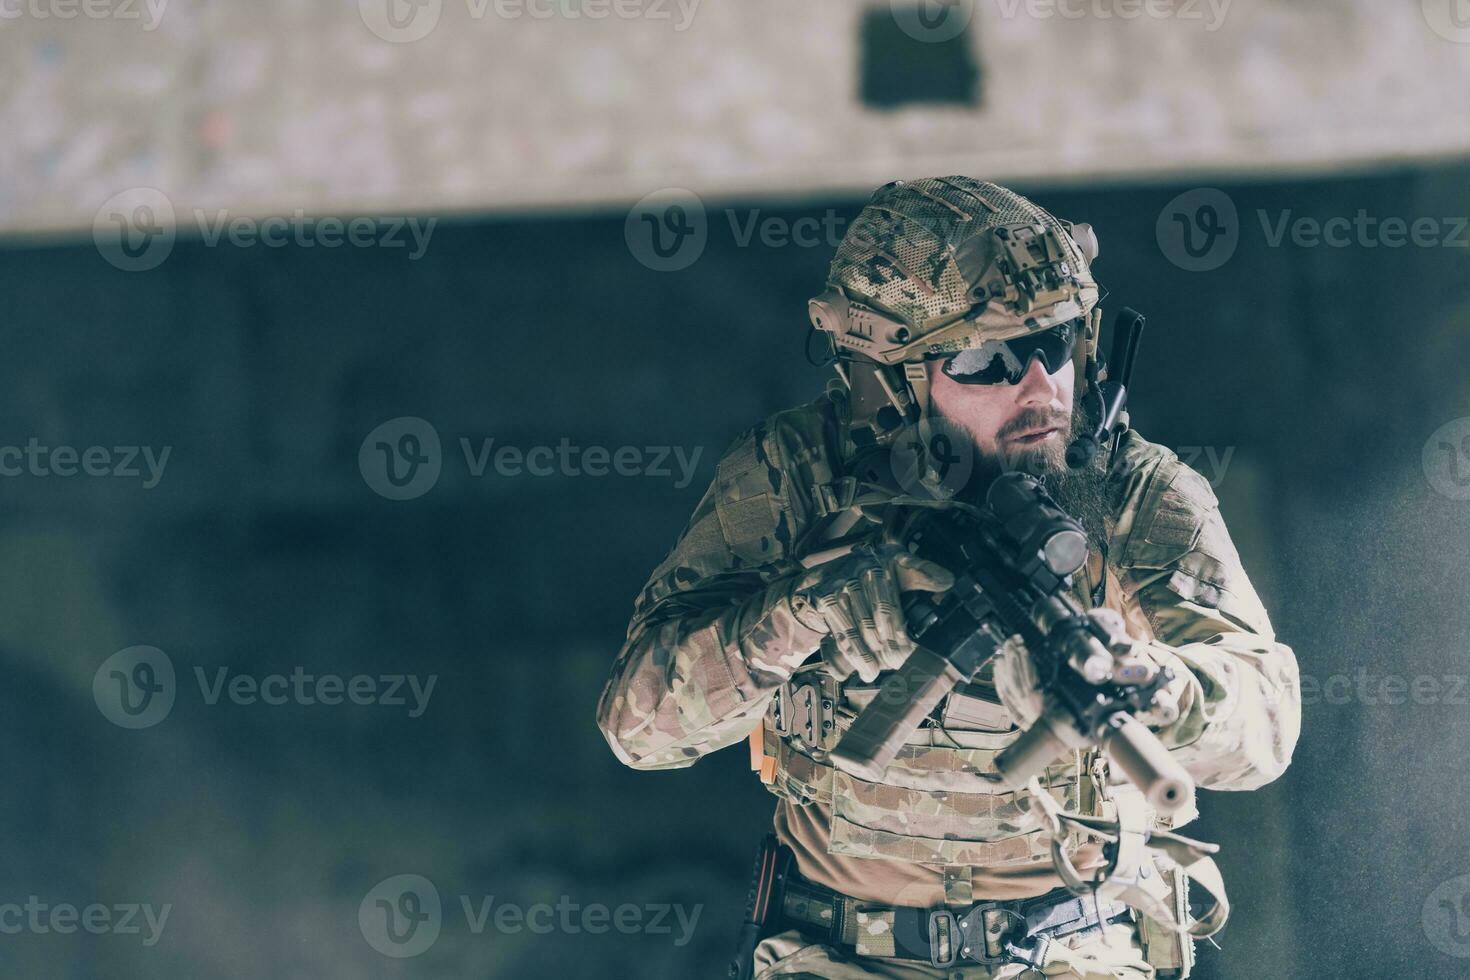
(1007, 361)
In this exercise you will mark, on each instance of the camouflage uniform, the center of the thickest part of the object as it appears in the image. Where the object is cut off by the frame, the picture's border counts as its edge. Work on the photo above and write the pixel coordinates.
(716, 650)
(714, 637)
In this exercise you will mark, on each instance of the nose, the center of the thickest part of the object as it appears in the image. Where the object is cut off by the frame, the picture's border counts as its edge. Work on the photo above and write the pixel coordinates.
(1036, 387)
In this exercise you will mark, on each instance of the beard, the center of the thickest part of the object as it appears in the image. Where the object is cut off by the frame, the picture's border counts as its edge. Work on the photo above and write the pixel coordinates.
(1083, 493)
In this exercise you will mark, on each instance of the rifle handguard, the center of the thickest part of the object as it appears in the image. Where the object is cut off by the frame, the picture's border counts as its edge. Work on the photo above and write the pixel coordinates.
(1135, 750)
(1128, 744)
(1037, 747)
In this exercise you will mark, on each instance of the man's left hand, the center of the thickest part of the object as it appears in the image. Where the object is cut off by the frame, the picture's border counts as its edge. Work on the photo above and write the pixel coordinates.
(1019, 687)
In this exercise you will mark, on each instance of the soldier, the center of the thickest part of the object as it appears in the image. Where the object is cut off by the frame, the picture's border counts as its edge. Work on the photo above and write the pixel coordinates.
(965, 326)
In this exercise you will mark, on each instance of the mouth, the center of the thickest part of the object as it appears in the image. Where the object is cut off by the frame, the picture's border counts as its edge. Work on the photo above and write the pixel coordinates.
(1033, 437)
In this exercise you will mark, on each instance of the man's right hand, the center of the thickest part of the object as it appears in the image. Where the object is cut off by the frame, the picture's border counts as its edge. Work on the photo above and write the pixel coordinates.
(856, 598)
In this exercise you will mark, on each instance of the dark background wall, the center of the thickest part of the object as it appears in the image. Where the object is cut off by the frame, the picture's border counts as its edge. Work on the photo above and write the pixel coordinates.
(1317, 374)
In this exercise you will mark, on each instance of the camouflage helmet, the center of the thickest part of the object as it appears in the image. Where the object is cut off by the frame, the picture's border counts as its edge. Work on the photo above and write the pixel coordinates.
(950, 263)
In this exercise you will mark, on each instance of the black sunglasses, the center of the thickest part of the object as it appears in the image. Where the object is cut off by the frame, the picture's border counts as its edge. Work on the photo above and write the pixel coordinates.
(1007, 361)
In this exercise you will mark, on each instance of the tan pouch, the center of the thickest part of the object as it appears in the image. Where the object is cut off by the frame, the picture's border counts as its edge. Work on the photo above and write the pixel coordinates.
(1169, 953)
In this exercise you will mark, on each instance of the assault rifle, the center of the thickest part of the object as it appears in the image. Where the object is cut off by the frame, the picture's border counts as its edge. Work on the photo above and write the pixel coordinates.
(1013, 561)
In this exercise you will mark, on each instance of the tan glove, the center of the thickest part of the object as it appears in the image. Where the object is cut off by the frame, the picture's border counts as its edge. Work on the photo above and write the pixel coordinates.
(856, 598)
(1017, 684)
(1019, 687)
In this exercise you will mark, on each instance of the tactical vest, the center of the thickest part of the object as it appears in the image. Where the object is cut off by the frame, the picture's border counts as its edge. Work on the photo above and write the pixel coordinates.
(941, 802)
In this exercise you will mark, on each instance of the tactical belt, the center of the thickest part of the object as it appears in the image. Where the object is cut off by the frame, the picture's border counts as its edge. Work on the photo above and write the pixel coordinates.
(988, 933)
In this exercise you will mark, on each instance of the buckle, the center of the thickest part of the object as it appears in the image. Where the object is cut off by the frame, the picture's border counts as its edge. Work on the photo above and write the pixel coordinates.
(965, 936)
(805, 711)
(944, 937)
(831, 498)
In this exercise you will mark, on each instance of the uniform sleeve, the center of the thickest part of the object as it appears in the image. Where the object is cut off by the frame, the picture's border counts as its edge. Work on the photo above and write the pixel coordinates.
(714, 632)
(1240, 709)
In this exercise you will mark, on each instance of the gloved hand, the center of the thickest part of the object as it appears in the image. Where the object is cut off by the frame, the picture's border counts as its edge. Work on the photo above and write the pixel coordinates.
(1019, 687)
(855, 598)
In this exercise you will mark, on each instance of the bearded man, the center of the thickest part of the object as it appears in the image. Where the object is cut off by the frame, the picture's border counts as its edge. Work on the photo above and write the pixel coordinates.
(964, 322)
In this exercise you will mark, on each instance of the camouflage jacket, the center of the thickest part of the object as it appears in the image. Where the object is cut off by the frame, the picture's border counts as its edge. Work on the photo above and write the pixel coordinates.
(713, 636)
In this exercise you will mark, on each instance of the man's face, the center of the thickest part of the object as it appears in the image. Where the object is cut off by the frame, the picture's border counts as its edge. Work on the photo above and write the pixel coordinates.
(1024, 426)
